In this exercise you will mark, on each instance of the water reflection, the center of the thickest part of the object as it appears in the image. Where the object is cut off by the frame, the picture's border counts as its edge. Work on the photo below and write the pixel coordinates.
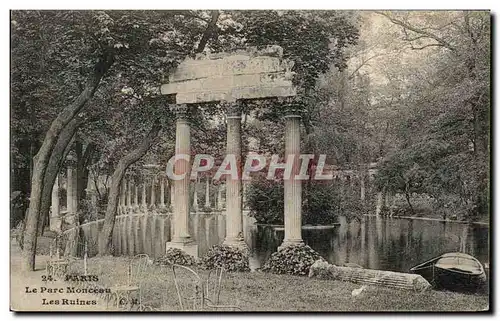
(375, 243)
(386, 244)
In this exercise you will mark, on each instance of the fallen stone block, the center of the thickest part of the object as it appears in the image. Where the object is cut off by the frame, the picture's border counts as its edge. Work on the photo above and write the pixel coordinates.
(397, 280)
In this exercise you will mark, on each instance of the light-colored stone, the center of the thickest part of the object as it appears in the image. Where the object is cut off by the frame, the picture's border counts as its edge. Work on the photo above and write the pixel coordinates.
(293, 187)
(230, 76)
(249, 92)
(234, 208)
(406, 281)
(181, 187)
(55, 218)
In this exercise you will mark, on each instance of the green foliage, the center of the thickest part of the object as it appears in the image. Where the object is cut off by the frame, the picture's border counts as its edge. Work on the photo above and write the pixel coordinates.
(292, 259)
(319, 206)
(265, 200)
(323, 202)
(176, 256)
(227, 257)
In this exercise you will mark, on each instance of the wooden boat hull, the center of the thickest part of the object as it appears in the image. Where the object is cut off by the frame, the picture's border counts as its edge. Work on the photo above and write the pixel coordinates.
(453, 271)
(451, 280)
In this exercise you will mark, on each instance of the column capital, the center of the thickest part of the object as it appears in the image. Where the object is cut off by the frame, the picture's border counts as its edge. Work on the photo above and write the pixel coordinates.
(71, 160)
(291, 106)
(233, 109)
(180, 111)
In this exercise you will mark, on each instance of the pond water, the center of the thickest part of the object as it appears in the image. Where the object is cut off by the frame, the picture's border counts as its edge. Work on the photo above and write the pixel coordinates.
(382, 243)
(376, 243)
(394, 244)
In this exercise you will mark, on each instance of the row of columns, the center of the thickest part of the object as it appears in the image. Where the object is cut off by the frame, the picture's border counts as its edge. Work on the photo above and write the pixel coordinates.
(56, 219)
(129, 196)
(234, 209)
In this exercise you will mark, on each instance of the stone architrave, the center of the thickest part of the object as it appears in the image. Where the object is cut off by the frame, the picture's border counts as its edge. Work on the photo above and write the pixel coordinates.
(232, 76)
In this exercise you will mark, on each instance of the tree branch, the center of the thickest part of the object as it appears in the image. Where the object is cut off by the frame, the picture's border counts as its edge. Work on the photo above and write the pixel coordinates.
(419, 31)
(208, 32)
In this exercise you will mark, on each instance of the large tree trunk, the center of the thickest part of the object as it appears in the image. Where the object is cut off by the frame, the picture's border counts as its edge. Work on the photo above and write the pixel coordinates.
(42, 158)
(116, 179)
(54, 166)
(84, 161)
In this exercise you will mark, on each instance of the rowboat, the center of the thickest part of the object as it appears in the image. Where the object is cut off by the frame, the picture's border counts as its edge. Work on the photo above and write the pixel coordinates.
(453, 271)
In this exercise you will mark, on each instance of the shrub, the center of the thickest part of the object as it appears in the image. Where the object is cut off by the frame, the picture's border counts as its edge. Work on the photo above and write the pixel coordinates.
(227, 257)
(292, 259)
(176, 256)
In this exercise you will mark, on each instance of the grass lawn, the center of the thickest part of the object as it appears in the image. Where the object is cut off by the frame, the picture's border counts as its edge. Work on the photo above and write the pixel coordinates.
(259, 291)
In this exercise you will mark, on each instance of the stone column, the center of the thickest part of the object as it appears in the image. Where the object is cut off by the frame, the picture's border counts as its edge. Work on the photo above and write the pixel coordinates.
(136, 196)
(219, 197)
(181, 238)
(55, 218)
(123, 196)
(129, 195)
(162, 192)
(172, 195)
(293, 187)
(153, 192)
(380, 203)
(234, 210)
(195, 197)
(71, 196)
(144, 204)
(207, 193)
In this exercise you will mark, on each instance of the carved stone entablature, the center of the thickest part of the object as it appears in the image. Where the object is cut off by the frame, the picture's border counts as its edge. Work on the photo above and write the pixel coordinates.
(245, 74)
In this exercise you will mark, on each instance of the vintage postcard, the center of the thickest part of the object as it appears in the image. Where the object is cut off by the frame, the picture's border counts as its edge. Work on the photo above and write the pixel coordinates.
(258, 160)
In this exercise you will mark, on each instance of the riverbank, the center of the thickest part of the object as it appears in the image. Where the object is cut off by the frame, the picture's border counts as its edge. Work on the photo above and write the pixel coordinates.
(258, 291)
(432, 219)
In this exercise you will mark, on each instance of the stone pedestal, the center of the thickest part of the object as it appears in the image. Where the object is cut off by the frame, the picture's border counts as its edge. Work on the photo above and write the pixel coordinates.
(234, 209)
(293, 187)
(181, 238)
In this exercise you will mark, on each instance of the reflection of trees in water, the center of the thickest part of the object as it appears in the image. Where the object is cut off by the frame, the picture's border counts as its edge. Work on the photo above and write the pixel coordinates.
(380, 243)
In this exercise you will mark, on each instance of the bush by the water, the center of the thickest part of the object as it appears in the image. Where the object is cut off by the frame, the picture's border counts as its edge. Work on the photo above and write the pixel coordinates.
(176, 256)
(320, 202)
(292, 259)
(227, 257)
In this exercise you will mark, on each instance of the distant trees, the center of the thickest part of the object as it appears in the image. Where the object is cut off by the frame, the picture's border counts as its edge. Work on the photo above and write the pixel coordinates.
(445, 148)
